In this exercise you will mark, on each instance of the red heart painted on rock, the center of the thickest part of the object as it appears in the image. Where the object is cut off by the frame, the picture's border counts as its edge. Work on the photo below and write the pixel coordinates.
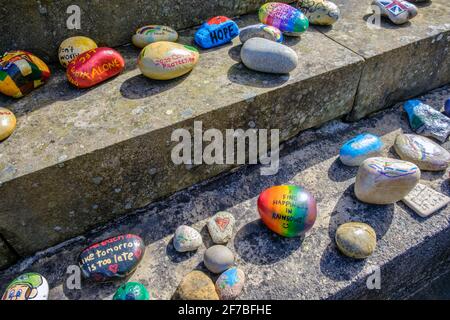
(138, 253)
(113, 268)
(222, 222)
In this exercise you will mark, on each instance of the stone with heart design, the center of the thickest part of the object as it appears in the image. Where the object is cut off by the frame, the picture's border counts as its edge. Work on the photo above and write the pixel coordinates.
(113, 258)
(221, 227)
(398, 11)
(187, 239)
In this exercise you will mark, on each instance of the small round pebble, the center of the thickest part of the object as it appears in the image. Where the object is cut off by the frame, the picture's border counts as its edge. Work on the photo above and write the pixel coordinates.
(187, 239)
(356, 240)
(218, 258)
(196, 285)
(7, 123)
(131, 291)
(230, 284)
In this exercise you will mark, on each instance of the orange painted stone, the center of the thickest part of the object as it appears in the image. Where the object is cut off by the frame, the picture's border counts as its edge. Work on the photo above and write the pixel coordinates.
(94, 66)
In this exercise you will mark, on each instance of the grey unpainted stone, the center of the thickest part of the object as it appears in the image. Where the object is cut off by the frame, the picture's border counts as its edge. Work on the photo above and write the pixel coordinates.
(218, 258)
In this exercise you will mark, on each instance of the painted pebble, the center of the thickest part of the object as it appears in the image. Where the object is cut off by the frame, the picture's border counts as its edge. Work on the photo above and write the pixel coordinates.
(360, 148)
(426, 154)
(257, 52)
(113, 258)
(425, 201)
(230, 284)
(153, 33)
(398, 11)
(221, 226)
(288, 19)
(385, 181)
(21, 72)
(29, 286)
(131, 291)
(218, 258)
(427, 121)
(7, 123)
(167, 60)
(94, 66)
(73, 47)
(287, 210)
(216, 32)
(447, 108)
(261, 31)
(196, 285)
(187, 239)
(320, 12)
(356, 240)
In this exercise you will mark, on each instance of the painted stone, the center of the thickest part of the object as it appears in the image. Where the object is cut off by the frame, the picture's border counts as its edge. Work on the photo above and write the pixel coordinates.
(218, 258)
(153, 33)
(21, 72)
(287, 210)
(94, 66)
(113, 258)
(187, 239)
(398, 11)
(425, 153)
(131, 291)
(447, 108)
(427, 121)
(261, 31)
(384, 180)
(360, 148)
(425, 201)
(256, 53)
(29, 286)
(288, 19)
(165, 60)
(320, 12)
(73, 47)
(221, 226)
(196, 285)
(230, 284)
(356, 240)
(216, 32)
(7, 123)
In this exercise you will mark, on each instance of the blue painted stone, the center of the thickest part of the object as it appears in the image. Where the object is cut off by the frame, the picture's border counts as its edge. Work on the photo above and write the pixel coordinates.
(360, 148)
(427, 121)
(216, 32)
(447, 108)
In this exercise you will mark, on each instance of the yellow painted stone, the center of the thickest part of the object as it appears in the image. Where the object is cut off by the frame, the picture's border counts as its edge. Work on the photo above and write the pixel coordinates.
(7, 123)
(165, 60)
(73, 47)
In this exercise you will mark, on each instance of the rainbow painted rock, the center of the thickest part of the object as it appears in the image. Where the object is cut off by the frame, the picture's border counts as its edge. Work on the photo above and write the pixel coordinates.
(29, 286)
(288, 19)
(21, 72)
(7, 123)
(153, 33)
(360, 148)
(320, 12)
(385, 181)
(94, 66)
(165, 60)
(216, 32)
(131, 291)
(423, 152)
(73, 47)
(261, 31)
(113, 258)
(287, 210)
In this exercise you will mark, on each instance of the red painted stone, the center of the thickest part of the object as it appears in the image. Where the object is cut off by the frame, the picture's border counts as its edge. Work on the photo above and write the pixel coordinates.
(94, 66)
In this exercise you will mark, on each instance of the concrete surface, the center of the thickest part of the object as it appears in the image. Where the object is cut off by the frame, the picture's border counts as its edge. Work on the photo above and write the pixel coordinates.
(79, 158)
(400, 61)
(411, 250)
(40, 25)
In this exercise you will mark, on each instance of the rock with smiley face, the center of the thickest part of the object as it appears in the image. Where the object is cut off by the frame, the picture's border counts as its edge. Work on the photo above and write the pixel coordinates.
(114, 258)
(221, 226)
(29, 286)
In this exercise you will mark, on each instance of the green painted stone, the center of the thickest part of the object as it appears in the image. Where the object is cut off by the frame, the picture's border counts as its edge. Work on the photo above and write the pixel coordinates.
(356, 240)
(131, 291)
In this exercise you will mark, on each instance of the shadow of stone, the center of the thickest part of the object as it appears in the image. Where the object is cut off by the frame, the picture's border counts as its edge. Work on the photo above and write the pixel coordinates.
(386, 23)
(445, 186)
(339, 172)
(338, 267)
(291, 41)
(207, 240)
(139, 87)
(256, 244)
(239, 74)
(235, 53)
(177, 257)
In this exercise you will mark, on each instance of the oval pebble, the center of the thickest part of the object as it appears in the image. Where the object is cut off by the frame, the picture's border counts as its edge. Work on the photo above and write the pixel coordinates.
(218, 258)
(320, 12)
(28, 286)
(196, 285)
(360, 148)
(261, 31)
(216, 32)
(229, 285)
(288, 19)
(131, 291)
(356, 240)
(7, 123)
(153, 33)
(73, 47)
(187, 239)
(221, 226)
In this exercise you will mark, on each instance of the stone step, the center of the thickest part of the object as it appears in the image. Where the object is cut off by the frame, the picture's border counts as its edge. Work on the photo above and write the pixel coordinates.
(410, 251)
(80, 158)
